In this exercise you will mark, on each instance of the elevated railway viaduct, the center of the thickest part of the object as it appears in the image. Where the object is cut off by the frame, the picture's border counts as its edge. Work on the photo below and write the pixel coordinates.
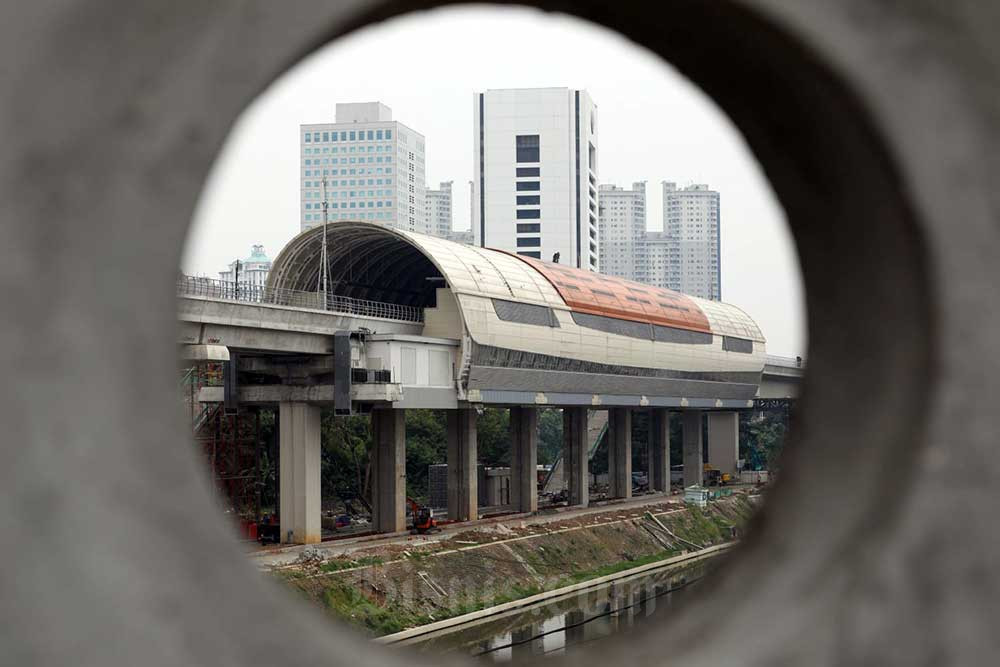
(411, 321)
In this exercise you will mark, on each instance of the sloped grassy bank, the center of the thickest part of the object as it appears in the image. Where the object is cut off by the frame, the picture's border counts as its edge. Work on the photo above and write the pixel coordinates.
(383, 592)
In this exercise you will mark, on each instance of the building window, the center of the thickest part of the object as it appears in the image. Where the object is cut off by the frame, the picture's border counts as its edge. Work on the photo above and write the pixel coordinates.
(388, 134)
(526, 228)
(528, 186)
(530, 242)
(527, 147)
(308, 138)
(378, 135)
(527, 171)
(529, 214)
(528, 199)
(326, 136)
(535, 254)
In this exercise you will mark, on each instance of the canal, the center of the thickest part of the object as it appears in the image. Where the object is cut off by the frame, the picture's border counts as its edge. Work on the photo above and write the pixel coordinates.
(558, 625)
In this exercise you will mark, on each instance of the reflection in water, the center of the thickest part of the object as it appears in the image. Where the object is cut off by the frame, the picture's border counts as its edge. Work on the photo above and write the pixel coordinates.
(555, 627)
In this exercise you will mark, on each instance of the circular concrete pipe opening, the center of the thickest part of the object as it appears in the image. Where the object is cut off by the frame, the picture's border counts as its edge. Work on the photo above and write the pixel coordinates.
(870, 320)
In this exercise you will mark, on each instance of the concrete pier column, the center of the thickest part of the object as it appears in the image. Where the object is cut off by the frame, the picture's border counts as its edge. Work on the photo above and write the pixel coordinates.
(694, 467)
(463, 481)
(575, 462)
(724, 440)
(524, 459)
(388, 470)
(659, 449)
(299, 460)
(619, 453)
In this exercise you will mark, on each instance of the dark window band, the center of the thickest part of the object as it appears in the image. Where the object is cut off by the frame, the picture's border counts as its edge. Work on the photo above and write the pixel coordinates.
(525, 313)
(733, 344)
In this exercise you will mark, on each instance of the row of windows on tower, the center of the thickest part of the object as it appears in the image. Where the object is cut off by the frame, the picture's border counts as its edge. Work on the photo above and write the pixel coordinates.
(354, 160)
(350, 135)
(371, 148)
(379, 215)
(345, 172)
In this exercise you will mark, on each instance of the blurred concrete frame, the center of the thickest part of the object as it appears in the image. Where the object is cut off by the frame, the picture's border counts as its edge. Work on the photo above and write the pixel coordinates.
(878, 125)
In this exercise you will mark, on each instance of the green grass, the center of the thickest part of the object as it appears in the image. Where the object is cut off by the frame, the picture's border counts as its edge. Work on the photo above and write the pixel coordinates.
(346, 602)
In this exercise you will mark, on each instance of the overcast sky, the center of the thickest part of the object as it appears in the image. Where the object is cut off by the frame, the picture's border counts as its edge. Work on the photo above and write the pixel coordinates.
(655, 126)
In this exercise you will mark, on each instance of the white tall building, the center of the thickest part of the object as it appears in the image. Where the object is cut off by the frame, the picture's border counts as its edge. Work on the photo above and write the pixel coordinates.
(373, 167)
(622, 230)
(535, 174)
(691, 223)
(252, 271)
(439, 210)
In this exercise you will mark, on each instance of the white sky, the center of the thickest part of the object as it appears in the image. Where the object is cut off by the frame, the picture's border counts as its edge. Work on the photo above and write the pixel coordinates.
(655, 126)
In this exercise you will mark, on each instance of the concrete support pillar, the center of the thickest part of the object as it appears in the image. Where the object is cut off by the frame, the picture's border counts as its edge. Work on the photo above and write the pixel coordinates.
(694, 467)
(524, 459)
(463, 481)
(299, 459)
(659, 449)
(575, 462)
(620, 453)
(388, 470)
(724, 440)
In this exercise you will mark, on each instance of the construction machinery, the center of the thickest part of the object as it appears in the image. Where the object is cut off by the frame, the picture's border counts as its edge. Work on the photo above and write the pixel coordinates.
(715, 477)
(423, 518)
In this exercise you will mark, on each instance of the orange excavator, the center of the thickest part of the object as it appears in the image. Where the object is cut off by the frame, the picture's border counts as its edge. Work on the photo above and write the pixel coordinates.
(423, 518)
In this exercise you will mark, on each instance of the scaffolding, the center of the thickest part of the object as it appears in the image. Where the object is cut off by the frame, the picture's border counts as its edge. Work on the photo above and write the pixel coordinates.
(230, 442)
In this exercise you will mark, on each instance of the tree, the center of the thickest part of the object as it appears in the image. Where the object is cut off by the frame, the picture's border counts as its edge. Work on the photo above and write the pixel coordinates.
(345, 455)
(494, 437)
(765, 437)
(426, 444)
(550, 435)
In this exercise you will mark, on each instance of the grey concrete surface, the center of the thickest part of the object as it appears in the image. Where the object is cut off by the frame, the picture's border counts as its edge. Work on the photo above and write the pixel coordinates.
(692, 451)
(463, 457)
(878, 125)
(619, 453)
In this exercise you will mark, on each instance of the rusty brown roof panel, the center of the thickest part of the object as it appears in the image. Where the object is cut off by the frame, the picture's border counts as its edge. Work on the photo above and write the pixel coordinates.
(597, 294)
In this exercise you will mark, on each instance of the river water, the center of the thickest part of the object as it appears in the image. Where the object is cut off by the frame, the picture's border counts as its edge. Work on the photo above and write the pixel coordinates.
(559, 625)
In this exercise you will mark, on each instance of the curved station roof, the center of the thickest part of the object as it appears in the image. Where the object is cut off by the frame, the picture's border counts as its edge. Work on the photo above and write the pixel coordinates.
(368, 261)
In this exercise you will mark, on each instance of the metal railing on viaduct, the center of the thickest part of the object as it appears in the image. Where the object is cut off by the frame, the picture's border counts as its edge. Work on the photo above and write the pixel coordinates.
(224, 290)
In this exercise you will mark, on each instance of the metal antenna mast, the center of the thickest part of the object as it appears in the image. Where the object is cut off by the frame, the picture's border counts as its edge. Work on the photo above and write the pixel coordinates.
(324, 270)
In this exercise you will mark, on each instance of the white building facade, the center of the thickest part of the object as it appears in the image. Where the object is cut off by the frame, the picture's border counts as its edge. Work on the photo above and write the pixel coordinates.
(439, 210)
(535, 174)
(691, 223)
(373, 168)
(251, 271)
(622, 231)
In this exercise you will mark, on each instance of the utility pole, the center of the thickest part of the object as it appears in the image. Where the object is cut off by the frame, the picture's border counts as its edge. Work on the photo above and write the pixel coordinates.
(236, 276)
(324, 270)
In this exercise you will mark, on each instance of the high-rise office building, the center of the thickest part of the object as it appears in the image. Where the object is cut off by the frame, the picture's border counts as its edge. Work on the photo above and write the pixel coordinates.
(622, 231)
(373, 169)
(535, 181)
(691, 223)
(439, 209)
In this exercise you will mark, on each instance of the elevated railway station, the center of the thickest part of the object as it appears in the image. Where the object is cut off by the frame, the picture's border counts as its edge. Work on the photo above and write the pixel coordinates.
(411, 321)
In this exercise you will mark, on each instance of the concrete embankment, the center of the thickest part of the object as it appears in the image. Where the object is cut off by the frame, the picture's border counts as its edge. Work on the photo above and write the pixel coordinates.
(389, 588)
